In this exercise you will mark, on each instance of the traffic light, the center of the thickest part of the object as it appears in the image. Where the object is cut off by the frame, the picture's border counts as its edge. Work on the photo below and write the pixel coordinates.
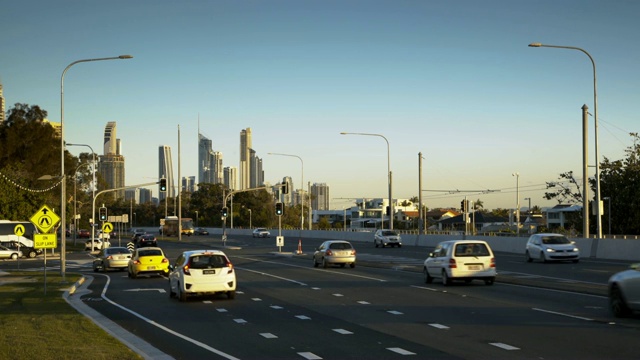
(279, 209)
(225, 212)
(103, 214)
(163, 185)
(462, 206)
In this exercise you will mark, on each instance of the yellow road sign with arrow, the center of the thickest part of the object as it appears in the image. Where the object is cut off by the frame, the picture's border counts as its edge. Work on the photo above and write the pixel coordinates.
(45, 219)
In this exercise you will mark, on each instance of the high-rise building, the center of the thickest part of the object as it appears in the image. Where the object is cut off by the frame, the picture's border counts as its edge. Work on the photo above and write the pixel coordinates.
(2, 106)
(320, 196)
(189, 184)
(165, 170)
(255, 170)
(245, 159)
(111, 165)
(205, 171)
(218, 169)
(230, 177)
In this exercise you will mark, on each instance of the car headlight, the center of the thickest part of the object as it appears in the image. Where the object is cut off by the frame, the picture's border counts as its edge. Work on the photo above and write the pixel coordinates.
(575, 250)
(550, 250)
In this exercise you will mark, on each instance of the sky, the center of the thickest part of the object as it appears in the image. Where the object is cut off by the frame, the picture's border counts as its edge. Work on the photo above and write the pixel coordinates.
(454, 81)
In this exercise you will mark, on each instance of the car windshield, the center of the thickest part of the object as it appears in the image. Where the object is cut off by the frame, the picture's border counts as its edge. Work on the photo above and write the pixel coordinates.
(340, 246)
(551, 240)
(471, 250)
(118, 251)
(389, 233)
(207, 261)
(152, 252)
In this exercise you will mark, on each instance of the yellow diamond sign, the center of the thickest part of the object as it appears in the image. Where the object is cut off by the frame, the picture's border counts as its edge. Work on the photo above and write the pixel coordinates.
(45, 219)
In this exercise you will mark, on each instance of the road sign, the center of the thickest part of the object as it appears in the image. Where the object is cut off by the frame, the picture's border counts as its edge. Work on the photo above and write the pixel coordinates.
(19, 230)
(279, 240)
(45, 241)
(107, 227)
(45, 219)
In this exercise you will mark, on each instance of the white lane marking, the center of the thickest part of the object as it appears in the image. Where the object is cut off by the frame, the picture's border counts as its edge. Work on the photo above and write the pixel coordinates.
(424, 288)
(309, 356)
(343, 331)
(240, 321)
(277, 277)
(303, 317)
(308, 268)
(315, 288)
(221, 310)
(394, 312)
(162, 291)
(562, 314)
(276, 307)
(363, 302)
(504, 346)
(256, 299)
(164, 328)
(268, 335)
(337, 295)
(554, 290)
(512, 273)
(207, 301)
(401, 351)
(439, 326)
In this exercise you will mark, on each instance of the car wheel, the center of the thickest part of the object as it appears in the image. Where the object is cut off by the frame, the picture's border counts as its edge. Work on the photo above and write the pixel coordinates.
(315, 263)
(181, 296)
(576, 261)
(427, 278)
(617, 304)
(14, 256)
(445, 278)
(32, 254)
(231, 294)
(129, 273)
(171, 293)
(399, 245)
(375, 243)
(489, 281)
(527, 256)
(352, 265)
(134, 275)
(342, 265)
(542, 257)
(325, 264)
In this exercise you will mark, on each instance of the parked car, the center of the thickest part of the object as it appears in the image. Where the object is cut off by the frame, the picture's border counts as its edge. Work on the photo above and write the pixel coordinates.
(148, 260)
(112, 258)
(551, 247)
(200, 231)
(624, 291)
(6, 253)
(335, 252)
(202, 272)
(97, 244)
(146, 240)
(386, 238)
(261, 233)
(460, 260)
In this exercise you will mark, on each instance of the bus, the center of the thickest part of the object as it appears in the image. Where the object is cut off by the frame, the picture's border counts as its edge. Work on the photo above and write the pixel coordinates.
(170, 227)
(23, 242)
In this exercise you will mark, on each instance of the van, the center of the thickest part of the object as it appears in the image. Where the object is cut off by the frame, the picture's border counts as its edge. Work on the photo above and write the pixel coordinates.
(464, 260)
(24, 242)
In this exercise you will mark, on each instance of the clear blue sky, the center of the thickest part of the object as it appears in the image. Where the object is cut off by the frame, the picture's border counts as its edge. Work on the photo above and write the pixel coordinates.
(454, 80)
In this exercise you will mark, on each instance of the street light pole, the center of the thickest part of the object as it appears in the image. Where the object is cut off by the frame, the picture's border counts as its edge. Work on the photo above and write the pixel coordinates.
(391, 214)
(301, 189)
(63, 187)
(595, 120)
(608, 198)
(517, 175)
(75, 202)
(93, 186)
(529, 208)
(250, 227)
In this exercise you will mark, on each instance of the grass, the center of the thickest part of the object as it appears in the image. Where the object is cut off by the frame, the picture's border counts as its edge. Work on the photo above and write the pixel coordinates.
(35, 325)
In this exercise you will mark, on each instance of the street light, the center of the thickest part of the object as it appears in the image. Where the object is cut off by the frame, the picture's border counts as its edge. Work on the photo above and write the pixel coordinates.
(75, 202)
(196, 218)
(609, 210)
(517, 175)
(529, 208)
(389, 171)
(94, 185)
(63, 187)
(250, 227)
(301, 189)
(595, 120)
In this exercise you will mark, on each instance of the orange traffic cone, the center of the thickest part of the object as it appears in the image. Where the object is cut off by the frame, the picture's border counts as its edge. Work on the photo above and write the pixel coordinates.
(299, 247)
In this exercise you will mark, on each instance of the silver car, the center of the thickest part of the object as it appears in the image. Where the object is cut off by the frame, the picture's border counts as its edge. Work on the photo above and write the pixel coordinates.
(112, 258)
(6, 253)
(335, 252)
(624, 291)
(386, 238)
(551, 247)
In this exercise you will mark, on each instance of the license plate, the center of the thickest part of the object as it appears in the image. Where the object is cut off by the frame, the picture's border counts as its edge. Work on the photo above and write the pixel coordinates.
(208, 272)
(474, 267)
(151, 267)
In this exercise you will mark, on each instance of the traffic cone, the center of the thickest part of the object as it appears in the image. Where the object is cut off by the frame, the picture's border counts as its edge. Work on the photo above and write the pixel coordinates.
(299, 247)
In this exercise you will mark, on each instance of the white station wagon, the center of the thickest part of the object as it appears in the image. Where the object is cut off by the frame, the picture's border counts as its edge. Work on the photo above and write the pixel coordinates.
(461, 260)
(202, 272)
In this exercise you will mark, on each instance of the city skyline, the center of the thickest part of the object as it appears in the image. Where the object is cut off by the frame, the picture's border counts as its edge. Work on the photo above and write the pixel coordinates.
(455, 82)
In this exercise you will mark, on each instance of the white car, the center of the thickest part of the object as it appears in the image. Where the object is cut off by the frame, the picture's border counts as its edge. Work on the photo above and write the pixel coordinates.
(386, 238)
(97, 244)
(624, 291)
(551, 247)
(6, 253)
(261, 233)
(335, 252)
(460, 260)
(202, 272)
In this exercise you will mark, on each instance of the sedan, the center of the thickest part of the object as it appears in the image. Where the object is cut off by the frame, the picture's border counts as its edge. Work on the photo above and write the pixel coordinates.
(83, 234)
(551, 247)
(112, 258)
(6, 253)
(97, 244)
(386, 238)
(335, 252)
(624, 291)
(261, 233)
(146, 240)
(148, 260)
(200, 231)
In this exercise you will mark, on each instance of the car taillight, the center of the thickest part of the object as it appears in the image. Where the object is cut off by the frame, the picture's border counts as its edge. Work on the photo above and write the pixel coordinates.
(185, 270)
(110, 257)
(136, 262)
(493, 262)
(452, 264)
(230, 266)
(353, 252)
(329, 253)
(165, 260)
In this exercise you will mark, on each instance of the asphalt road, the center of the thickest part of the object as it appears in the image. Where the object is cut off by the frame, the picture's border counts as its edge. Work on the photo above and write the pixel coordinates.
(382, 309)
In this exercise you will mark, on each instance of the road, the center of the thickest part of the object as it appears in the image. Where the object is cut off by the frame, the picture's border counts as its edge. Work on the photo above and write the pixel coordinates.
(382, 309)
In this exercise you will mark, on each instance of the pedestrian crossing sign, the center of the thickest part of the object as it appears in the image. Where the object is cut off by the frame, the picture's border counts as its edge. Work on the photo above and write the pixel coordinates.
(45, 219)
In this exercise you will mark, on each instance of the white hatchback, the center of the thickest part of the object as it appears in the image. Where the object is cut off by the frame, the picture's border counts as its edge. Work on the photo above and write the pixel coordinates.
(202, 272)
(461, 260)
(551, 247)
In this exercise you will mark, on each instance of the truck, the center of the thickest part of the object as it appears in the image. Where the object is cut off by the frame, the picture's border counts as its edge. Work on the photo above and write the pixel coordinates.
(22, 242)
(170, 227)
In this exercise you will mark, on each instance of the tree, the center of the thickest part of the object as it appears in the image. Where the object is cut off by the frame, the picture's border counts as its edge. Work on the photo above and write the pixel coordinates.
(564, 193)
(478, 205)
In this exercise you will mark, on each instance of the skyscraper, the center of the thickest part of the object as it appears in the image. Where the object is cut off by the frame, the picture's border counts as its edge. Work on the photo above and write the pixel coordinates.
(230, 177)
(111, 165)
(320, 196)
(245, 159)
(256, 174)
(165, 170)
(205, 173)
(2, 105)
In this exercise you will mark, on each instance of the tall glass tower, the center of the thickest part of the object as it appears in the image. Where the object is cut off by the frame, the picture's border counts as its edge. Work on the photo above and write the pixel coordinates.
(165, 169)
